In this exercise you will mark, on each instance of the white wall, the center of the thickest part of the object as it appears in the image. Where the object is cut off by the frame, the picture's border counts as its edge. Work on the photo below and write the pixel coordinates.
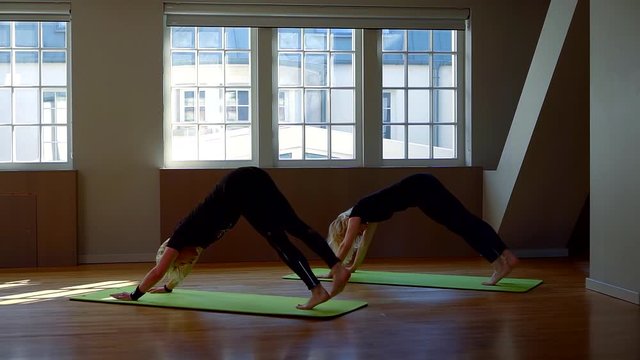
(615, 129)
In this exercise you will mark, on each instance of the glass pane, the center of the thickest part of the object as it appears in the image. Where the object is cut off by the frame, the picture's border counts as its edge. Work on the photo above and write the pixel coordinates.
(183, 37)
(54, 35)
(443, 70)
(316, 106)
(211, 142)
(54, 107)
(418, 106)
(418, 40)
(238, 142)
(26, 71)
(316, 142)
(289, 69)
(54, 143)
(26, 34)
(54, 68)
(183, 68)
(211, 105)
(5, 68)
(393, 142)
(27, 140)
(48, 107)
(184, 143)
(5, 34)
(444, 106)
(243, 105)
(231, 105)
(394, 106)
(342, 142)
(315, 69)
(61, 116)
(342, 106)
(237, 38)
(210, 69)
(238, 69)
(419, 142)
(290, 142)
(393, 70)
(316, 39)
(290, 106)
(289, 39)
(444, 141)
(5, 106)
(342, 70)
(183, 105)
(210, 37)
(342, 39)
(443, 40)
(5, 143)
(237, 105)
(418, 70)
(393, 40)
(27, 103)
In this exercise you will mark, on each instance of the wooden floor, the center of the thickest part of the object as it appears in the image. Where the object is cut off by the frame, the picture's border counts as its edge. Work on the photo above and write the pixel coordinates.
(558, 320)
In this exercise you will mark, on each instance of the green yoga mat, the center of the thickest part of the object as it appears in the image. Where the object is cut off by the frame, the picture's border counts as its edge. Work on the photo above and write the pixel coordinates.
(229, 302)
(433, 280)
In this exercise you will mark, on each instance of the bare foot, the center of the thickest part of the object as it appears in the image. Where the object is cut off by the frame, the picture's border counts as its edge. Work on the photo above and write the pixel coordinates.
(318, 296)
(502, 267)
(340, 278)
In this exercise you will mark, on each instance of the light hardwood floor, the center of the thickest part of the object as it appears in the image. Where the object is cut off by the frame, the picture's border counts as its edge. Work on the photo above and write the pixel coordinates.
(558, 320)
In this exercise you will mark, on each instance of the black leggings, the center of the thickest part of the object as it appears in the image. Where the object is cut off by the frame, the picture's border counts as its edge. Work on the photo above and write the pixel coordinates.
(443, 207)
(253, 194)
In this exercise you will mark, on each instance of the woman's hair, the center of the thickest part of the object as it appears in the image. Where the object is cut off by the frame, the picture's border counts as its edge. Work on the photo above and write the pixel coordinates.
(337, 231)
(176, 272)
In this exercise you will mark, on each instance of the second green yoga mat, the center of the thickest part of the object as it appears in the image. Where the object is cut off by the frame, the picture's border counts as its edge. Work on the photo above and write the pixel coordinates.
(229, 302)
(434, 280)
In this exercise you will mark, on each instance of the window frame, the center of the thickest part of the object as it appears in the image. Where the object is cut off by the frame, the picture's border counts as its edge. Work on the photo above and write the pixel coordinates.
(264, 21)
(358, 140)
(167, 124)
(462, 97)
(42, 13)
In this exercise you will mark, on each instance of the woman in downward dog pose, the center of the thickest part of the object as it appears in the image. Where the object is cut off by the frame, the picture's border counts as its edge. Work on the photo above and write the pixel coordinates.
(351, 232)
(248, 192)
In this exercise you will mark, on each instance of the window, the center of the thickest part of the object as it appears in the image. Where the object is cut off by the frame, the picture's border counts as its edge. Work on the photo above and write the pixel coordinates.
(269, 85)
(316, 93)
(34, 92)
(210, 93)
(420, 93)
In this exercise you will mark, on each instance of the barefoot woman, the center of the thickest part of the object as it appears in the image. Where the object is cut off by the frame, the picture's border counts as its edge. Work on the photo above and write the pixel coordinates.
(351, 233)
(251, 193)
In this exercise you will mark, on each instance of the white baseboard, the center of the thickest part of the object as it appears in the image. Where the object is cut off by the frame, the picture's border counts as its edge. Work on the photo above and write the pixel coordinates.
(116, 258)
(614, 291)
(541, 253)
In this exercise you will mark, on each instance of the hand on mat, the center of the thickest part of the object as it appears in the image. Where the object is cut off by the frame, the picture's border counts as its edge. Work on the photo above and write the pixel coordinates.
(122, 296)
